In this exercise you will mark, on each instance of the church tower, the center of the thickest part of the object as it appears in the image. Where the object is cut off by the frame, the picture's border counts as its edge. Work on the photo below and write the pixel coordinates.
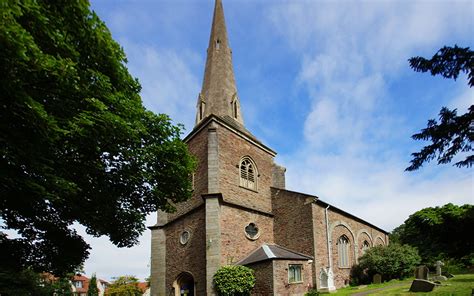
(229, 214)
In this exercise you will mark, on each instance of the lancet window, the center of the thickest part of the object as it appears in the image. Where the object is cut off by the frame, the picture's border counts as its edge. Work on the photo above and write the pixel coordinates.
(343, 251)
(248, 173)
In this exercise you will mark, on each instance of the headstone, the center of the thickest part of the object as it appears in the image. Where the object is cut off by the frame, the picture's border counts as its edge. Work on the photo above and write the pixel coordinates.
(438, 267)
(422, 286)
(377, 279)
(421, 272)
(439, 276)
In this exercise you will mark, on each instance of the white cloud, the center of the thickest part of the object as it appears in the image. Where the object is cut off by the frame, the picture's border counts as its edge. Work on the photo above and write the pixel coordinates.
(349, 53)
(109, 261)
(168, 79)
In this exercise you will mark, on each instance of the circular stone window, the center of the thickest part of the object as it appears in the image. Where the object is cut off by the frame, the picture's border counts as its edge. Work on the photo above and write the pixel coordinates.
(251, 231)
(184, 237)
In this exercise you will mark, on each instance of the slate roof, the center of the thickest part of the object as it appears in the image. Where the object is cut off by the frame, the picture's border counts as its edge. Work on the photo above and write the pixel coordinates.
(272, 252)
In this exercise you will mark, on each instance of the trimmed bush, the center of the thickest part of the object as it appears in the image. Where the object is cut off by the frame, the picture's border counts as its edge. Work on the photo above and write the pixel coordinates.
(234, 280)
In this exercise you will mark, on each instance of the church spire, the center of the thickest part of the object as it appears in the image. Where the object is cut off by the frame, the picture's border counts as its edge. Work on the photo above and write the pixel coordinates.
(219, 93)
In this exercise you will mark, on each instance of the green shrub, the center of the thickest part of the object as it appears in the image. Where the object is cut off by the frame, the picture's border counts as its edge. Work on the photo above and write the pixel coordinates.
(392, 262)
(312, 293)
(234, 280)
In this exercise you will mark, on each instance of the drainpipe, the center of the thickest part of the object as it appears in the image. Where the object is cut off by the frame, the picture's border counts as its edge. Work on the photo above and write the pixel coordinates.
(330, 274)
(327, 238)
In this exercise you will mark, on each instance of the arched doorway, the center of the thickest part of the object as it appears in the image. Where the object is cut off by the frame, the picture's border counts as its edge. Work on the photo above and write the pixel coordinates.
(184, 285)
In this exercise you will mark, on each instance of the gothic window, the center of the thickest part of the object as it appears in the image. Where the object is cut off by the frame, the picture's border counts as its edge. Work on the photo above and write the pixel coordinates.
(343, 251)
(235, 109)
(365, 247)
(294, 273)
(202, 108)
(218, 43)
(252, 231)
(248, 174)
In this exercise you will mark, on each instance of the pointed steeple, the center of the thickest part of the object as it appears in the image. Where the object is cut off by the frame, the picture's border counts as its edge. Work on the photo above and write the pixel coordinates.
(219, 93)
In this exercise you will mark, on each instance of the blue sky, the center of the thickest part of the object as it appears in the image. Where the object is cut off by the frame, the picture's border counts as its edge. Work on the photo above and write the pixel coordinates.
(324, 83)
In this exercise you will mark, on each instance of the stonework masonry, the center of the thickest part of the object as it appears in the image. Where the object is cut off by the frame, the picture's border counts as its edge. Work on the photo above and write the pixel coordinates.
(190, 257)
(235, 244)
(232, 148)
(214, 220)
(280, 276)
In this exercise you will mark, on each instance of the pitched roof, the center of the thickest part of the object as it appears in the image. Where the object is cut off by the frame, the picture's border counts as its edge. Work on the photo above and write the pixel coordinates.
(143, 286)
(85, 283)
(272, 252)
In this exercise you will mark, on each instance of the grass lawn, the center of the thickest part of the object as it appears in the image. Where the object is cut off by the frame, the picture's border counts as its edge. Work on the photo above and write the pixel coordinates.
(462, 284)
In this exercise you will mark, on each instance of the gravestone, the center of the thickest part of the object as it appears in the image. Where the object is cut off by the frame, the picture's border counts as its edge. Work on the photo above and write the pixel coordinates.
(377, 279)
(421, 272)
(422, 286)
(439, 276)
(438, 267)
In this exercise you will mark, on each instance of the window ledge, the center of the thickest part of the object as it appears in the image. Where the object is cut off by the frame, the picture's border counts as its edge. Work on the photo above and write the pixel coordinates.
(249, 189)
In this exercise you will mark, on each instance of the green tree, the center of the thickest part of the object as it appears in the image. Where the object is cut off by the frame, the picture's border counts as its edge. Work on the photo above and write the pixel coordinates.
(93, 290)
(394, 261)
(453, 133)
(28, 282)
(124, 286)
(76, 143)
(234, 280)
(440, 233)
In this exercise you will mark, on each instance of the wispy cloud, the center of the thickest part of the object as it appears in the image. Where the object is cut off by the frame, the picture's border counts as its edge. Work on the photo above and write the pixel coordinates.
(169, 84)
(350, 52)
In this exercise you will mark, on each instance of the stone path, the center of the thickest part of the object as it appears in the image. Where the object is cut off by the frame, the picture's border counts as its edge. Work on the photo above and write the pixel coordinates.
(378, 290)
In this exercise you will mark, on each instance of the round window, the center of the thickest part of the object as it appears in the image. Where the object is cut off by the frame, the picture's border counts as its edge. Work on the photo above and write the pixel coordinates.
(251, 231)
(184, 237)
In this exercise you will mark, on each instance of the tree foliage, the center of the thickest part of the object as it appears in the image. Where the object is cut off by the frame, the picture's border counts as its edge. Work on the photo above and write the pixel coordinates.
(93, 290)
(76, 143)
(124, 286)
(234, 280)
(29, 282)
(394, 261)
(440, 233)
(453, 133)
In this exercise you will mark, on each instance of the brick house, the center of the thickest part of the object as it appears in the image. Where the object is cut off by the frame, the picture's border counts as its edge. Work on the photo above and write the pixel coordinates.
(240, 211)
(80, 285)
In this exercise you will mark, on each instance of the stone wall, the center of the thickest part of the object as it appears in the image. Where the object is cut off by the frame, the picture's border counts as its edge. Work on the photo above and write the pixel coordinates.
(341, 223)
(300, 225)
(232, 148)
(263, 272)
(191, 257)
(280, 275)
(235, 244)
(197, 146)
(293, 221)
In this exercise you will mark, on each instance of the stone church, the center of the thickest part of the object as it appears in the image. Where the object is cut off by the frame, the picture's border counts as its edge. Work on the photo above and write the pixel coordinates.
(240, 211)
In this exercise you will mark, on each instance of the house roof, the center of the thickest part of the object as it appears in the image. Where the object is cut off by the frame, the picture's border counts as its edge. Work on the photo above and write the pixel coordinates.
(85, 283)
(272, 252)
(143, 286)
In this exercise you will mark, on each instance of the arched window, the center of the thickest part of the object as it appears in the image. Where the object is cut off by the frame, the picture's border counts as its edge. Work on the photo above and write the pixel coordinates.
(248, 173)
(365, 247)
(202, 109)
(343, 251)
